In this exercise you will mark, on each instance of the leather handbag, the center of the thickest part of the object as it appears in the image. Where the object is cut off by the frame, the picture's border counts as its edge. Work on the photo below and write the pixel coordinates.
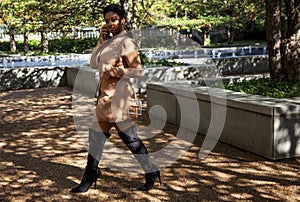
(135, 108)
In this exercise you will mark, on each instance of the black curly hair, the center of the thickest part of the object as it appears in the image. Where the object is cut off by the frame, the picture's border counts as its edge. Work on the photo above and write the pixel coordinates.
(115, 8)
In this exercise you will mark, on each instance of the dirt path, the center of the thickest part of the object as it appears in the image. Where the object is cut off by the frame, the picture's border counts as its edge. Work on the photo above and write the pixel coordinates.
(42, 158)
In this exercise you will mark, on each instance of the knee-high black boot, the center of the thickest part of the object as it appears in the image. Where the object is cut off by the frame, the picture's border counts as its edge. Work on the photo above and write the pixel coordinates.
(92, 172)
(136, 146)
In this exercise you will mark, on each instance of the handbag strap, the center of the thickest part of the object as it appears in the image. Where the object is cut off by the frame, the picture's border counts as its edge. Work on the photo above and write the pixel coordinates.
(99, 92)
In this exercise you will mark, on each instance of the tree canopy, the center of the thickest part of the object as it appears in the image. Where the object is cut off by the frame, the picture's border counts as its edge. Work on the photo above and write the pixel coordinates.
(54, 15)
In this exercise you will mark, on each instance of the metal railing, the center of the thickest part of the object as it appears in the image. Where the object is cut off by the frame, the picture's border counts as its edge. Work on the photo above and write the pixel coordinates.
(52, 35)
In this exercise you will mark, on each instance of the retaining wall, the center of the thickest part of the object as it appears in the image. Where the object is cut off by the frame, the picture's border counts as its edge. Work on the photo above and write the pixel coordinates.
(33, 77)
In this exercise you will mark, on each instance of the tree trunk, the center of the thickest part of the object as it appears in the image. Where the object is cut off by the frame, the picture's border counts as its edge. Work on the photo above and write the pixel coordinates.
(293, 17)
(291, 59)
(206, 39)
(122, 3)
(133, 20)
(229, 35)
(44, 42)
(175, 36)
(131, 14)
(26, 46)
(273, 29)
(291, 45)
(12, 42)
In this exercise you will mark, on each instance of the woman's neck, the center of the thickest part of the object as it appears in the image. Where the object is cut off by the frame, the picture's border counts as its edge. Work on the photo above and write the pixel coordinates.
(122, 32)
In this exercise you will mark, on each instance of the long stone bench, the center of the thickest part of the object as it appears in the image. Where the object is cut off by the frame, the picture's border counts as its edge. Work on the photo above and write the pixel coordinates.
(85, 79)
(265, 126)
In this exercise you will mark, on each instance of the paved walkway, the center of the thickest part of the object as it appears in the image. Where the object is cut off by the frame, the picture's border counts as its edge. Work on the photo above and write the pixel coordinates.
(42, 157)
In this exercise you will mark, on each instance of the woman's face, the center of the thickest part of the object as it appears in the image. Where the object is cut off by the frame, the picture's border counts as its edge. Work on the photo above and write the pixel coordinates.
(114, 23)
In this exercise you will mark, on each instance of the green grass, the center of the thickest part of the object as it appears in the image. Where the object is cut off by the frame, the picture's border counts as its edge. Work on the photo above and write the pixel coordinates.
(265, 87)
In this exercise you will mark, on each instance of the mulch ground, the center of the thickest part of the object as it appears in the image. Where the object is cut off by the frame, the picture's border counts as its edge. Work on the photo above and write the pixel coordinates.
(43, 157)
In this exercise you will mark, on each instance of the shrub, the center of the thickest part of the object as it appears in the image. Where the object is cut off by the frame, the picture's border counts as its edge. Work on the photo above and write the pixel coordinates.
(33, 45)
(63, 45)
(66, 45)
(4, 46)
(265, 87)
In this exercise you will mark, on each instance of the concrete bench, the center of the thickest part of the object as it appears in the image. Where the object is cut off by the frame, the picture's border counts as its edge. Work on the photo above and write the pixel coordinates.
(85, 79)
(265, 126)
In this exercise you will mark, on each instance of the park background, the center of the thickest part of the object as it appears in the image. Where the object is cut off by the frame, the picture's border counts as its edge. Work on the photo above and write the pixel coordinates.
(228, 174)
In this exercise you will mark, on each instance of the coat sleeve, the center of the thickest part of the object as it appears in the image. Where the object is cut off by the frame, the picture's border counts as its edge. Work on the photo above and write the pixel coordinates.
(129, 65)
(95, 56)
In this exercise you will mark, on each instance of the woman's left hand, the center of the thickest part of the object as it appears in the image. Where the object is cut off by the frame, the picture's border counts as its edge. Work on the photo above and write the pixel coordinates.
(103, 33)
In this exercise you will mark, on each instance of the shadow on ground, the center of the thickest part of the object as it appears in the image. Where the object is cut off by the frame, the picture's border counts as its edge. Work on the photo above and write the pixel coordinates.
(42, 158)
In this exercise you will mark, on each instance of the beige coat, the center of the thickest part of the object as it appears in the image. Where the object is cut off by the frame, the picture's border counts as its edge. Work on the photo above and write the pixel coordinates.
(117, 60)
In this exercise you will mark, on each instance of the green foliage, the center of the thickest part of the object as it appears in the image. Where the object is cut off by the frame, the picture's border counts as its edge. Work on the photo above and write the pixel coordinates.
(28, 16)
(203, 15)
(63, 45)
(33, 45)
(143, 57)
(4, 46)
(265, 87)
(187, 24)
(66, 45)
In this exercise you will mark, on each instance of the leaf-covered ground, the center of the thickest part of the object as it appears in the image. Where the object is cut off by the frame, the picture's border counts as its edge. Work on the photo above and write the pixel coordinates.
(43, 157)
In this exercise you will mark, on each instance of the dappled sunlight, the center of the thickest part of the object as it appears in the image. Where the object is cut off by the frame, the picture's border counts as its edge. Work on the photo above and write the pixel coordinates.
(43, 157)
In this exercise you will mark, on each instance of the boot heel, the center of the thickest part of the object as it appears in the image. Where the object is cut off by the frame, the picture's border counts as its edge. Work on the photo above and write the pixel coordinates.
(159, 180)
(90, 176)
(150, 180)
(97, 176)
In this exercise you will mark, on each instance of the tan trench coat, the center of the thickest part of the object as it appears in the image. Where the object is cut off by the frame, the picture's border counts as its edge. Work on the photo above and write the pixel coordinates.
(117, 60)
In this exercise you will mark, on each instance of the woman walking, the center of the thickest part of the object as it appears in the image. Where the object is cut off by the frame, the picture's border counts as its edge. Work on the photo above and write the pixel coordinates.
(117, 59)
